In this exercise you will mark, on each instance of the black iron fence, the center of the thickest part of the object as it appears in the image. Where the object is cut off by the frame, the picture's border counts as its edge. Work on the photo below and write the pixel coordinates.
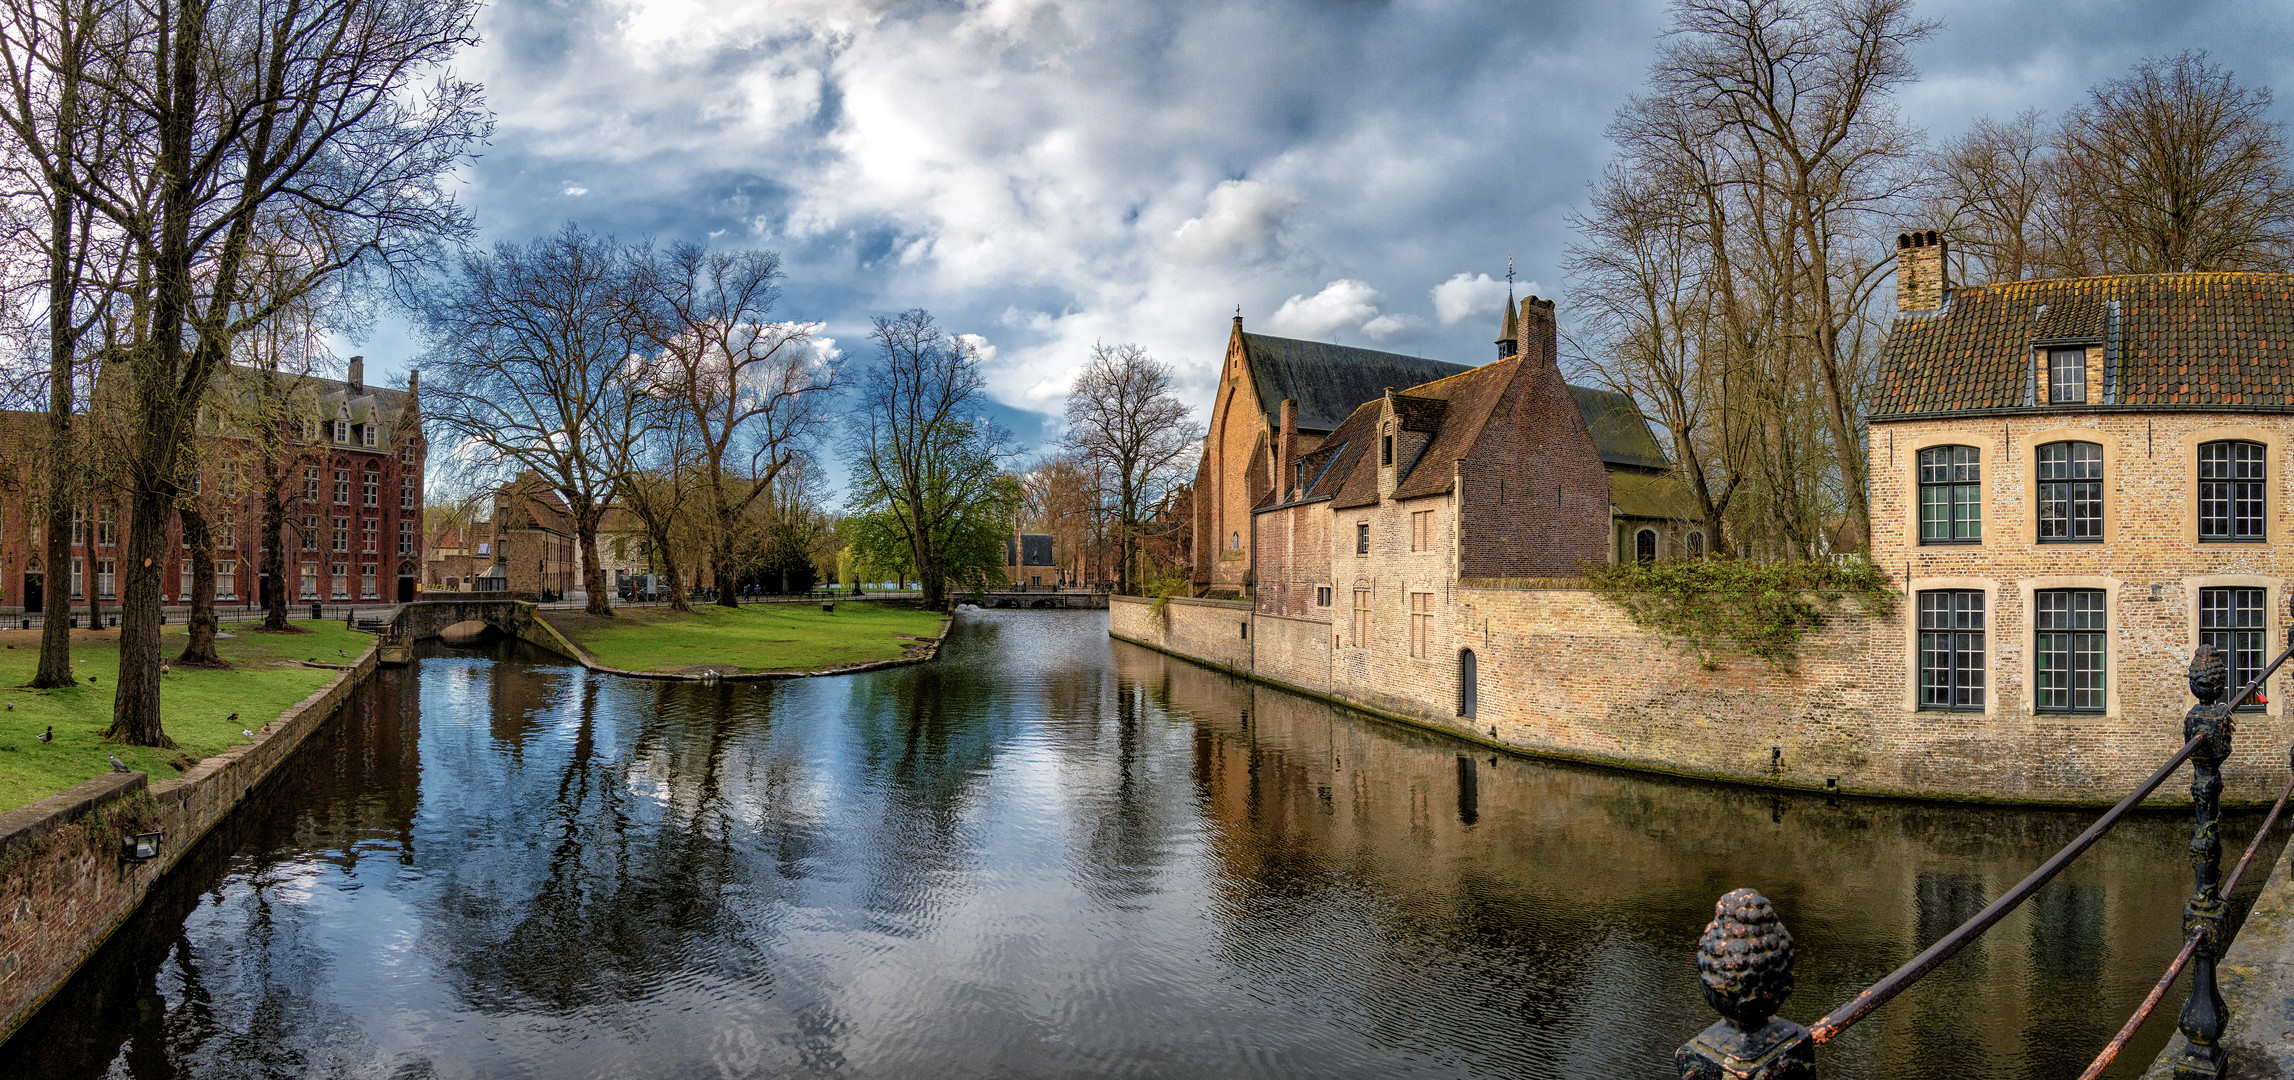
(1746, 956)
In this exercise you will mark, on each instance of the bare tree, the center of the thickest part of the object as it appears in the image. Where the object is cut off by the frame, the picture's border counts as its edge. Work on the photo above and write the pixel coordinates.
(1993, 197)
(925, 463)
(1123, 416)
(534, 346)
(1798, 90)
(752, 394)
(2177, 167)
(246, 121)
(656, 492)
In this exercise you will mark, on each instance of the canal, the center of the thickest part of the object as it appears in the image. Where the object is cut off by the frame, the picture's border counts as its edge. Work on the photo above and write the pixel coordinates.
(1050, 855)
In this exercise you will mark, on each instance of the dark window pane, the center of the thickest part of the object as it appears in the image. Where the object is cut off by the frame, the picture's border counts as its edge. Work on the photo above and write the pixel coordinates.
(1951, 494)
(1951, 649)
(2071, 491)
(2230, 491)
(2233, 620)
(2069, 638)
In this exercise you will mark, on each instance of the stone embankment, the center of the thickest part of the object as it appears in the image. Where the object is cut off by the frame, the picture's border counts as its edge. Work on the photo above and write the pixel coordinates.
(549, 637)
(1548, 668)
(65, 882)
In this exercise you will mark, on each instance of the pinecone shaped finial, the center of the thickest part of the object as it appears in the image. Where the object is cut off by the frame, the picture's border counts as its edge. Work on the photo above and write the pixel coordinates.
(1745, 960)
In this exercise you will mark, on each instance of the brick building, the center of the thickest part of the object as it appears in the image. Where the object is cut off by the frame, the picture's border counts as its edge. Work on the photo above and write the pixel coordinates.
(525, 550)
(354, 534)
(2073, 483)
(2078, 480)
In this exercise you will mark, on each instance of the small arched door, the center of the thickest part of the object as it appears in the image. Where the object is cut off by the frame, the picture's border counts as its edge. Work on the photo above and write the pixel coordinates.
(1645, 546)
(1468, 689)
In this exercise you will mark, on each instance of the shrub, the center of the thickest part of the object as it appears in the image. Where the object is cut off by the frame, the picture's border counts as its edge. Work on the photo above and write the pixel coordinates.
(1714, 606)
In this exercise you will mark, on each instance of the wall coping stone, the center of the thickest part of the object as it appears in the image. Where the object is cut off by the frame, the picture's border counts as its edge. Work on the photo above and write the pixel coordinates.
(34, 820)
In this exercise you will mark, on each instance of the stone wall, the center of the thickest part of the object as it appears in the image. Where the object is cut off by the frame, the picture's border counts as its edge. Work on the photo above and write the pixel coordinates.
(63, 885)
(1208, 631)
(1562, 673)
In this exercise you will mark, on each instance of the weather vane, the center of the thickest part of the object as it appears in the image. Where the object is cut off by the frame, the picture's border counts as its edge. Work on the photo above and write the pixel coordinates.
(1509, 273)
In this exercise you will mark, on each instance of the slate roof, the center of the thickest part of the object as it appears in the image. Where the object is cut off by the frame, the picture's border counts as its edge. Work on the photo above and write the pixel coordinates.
(1328, 380)
(1620, 432)
(2203, 341)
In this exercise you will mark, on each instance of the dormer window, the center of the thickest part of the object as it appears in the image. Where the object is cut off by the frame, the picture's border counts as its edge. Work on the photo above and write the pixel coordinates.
(366, 434)
(310, 431)
(341, 431)
(2067, 376)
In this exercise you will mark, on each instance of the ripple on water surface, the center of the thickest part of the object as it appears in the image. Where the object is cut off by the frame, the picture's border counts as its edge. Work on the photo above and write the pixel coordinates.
(1044, 855)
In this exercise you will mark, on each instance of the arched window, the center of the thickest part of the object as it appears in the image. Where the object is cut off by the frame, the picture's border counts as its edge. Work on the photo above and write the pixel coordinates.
(2230, 491)
(1951, 495)
(2070, 492)
(1235, 541)
(1645, 546)
(1696, 545)
(1468, 690)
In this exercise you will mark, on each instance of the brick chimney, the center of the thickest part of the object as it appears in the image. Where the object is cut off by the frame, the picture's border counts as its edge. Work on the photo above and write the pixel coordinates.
(357, 373)
(1540, 340)
(1285, 449)
(1919, 271)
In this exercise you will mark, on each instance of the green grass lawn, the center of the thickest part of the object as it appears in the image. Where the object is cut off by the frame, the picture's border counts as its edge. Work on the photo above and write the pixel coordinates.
(754, 637)
(263, 682)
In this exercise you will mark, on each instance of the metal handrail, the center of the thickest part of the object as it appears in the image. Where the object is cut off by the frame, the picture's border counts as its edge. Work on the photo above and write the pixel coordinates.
(1746, 957)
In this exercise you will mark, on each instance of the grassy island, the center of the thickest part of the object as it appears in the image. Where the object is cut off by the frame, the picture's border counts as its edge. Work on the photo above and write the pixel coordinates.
(266, 678)
(751, 638)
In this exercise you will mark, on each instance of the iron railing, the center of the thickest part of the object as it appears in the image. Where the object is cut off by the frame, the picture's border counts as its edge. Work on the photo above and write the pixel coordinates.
(1745, 958)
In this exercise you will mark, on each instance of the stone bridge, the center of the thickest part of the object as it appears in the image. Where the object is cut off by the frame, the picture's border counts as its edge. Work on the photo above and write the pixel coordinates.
(1026, 599)
(431, 618)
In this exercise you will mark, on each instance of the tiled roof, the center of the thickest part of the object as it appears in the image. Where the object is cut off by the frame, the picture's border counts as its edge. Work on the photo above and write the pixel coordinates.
(2169, 340)
(1328, 380)
(1620, 432)
(1471, 395)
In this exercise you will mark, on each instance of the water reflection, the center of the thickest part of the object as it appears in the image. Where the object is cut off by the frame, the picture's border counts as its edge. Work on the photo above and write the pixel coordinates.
(1046, 856)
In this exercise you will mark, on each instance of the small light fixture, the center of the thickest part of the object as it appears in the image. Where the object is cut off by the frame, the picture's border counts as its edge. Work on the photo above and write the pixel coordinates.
(139, 847)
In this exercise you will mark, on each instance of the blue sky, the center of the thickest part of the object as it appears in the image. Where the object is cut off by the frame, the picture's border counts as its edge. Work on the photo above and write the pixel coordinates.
(1047, 174)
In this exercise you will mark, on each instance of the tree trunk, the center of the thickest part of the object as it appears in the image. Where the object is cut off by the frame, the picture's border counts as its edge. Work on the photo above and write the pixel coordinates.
(55, 581)
(200, 650)
(135, 705)
(592, 573)
(88, 568)
(721, 564)
(275, 538)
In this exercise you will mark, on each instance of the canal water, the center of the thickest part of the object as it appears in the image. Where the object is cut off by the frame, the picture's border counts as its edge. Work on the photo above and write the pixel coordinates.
(1050, 855)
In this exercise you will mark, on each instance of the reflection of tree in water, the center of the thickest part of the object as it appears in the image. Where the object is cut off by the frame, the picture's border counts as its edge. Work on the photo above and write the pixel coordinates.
(1561, 921)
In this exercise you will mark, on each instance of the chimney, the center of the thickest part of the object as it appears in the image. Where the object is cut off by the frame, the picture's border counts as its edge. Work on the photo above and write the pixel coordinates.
(1540, 342)
(1919, 271)
(1285, 448)
(358, 373)
(414, 383)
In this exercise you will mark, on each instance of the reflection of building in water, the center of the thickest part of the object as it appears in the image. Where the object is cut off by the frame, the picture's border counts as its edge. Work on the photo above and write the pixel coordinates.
(1305, 801)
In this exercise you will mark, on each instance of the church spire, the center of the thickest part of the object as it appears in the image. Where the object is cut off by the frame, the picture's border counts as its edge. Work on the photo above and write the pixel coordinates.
(1509, 334)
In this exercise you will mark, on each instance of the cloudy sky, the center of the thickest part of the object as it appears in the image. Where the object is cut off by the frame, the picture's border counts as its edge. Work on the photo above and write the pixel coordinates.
(1046, 174)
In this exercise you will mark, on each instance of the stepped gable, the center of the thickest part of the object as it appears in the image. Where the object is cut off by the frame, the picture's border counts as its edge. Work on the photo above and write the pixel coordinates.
(1328, 380)
(2199, 341)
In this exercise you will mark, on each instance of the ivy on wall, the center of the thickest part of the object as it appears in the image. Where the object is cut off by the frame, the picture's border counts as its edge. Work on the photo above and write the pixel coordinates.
(1714, 607)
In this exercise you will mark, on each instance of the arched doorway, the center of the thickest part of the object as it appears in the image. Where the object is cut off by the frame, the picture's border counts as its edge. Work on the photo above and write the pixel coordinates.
(1469, 689)
(1645, 546)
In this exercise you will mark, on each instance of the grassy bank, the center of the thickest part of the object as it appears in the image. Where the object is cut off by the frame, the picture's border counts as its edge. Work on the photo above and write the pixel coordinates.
(265, 679)
(752, 638)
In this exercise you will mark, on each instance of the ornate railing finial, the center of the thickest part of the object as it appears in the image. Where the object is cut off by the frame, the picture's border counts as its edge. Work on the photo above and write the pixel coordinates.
(1745, 965)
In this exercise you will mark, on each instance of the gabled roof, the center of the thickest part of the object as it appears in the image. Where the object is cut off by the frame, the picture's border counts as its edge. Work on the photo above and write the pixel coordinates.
(2169, 341)
(1328, 380)
(1470, 397)
(1620, 432)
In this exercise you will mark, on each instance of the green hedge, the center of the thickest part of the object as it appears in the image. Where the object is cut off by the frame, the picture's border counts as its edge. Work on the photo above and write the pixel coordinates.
(1718, 606)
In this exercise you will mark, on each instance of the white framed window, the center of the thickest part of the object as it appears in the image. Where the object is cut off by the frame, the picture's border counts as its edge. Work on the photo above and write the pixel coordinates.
(342, 431)
(342, 534)
(310, 431)
(370, 489)
(341, 581)
(79, 528)
(310, 485)
(106, 578)
(406, 537)
(226, 579)
(366, 583)
(370, 536)
(310, 532)
(342, 487)
(184, 593)
(107, 526)
(406, 493)
(310, 581)
(227, 529)
(79, 573)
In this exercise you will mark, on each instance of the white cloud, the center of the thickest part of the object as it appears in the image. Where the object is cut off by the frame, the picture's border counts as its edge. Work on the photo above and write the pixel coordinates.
(980, 346)
(1342, 303)
(1386, 326)
(1478, 296)
(1239, 217)
(576, 191)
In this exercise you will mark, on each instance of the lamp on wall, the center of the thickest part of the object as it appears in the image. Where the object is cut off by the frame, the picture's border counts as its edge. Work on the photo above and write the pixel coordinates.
(139, 847)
